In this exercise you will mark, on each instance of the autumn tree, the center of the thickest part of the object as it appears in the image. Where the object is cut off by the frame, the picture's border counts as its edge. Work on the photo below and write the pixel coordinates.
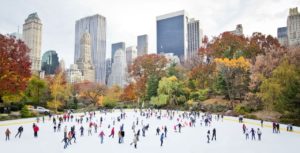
(264, 65)
(281, 89)
(112, 96)
(93, 92)
(228, 45)
(203, 75)
(60, 90)
(14, 66)
(235, 74)
(129, 93)
(143, 67)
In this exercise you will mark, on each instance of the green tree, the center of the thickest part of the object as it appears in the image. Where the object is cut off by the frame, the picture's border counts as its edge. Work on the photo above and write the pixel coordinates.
(281, 88)
(173, 88)
(36, 91)
(152, 86)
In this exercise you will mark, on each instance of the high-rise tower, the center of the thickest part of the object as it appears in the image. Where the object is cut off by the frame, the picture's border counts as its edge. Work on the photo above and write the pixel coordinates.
(32, 36)
(96, 26)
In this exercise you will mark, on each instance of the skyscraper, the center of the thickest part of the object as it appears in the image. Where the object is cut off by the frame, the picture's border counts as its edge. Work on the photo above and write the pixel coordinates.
(96, 26)
(131, 54)
(142, 45)
(50, 62)
(293, 27)
(108, 70)
(115, 47)
(118, 73)
(32, 36)
(282, 36)
(172, 34)
(195, 36)
(85, 61)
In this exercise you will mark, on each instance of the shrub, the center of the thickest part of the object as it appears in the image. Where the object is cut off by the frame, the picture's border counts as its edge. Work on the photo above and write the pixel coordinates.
(109, 103)
(181, 100)
(194, 96)
(159, 101)
(201, 95)
(25, 112)
(251, 116)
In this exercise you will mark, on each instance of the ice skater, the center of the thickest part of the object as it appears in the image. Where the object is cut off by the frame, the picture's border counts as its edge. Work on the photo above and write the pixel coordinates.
(252, 134)
(247, 134)
(162, 139)
(81, 131)
(157, 131)
(7, 134)
(214, 135)
(35, 130)
(134, 141)
(101, 135)
(112, 133)
(65, 140)
(20, 131)
(259, 134)
(208, 135)
(166, 130)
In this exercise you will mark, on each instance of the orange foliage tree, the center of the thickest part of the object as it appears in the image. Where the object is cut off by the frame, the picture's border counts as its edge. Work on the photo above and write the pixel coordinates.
(129, 93)
(143, 67)
(93, 92)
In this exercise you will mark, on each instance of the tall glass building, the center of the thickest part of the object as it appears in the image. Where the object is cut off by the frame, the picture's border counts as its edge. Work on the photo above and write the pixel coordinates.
(115, 47)
(172, 34)
(142, 45)
(96, 26)
(282, 36)
(50, 62)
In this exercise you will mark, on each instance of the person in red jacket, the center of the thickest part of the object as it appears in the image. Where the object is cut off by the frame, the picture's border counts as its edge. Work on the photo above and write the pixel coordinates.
(35, 130)
(112, 133)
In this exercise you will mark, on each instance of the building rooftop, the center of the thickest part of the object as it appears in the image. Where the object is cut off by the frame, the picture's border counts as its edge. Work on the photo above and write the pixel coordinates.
(173, 14)
(32, 16)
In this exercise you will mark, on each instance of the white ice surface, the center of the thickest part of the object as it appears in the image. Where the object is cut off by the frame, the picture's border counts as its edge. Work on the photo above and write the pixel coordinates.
(192, 139)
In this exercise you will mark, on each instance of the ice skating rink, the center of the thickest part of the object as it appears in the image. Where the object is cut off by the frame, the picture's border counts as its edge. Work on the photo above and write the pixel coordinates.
(230, 138)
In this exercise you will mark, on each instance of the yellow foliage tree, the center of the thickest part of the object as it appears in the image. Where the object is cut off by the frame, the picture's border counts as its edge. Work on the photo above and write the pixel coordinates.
(235, 72)
(60, 91)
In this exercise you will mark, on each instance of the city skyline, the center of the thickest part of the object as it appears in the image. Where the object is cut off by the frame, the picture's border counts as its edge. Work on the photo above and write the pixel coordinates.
(215, 17)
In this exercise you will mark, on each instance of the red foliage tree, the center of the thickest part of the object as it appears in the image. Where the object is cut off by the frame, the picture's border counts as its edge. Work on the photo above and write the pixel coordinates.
(14, 65)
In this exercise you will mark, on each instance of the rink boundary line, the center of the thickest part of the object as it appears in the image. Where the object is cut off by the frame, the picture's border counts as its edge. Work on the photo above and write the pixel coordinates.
(16, 123)
(258, 124)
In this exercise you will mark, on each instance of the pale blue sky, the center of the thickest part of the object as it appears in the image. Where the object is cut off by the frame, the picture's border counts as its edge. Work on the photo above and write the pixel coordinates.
(128, 18)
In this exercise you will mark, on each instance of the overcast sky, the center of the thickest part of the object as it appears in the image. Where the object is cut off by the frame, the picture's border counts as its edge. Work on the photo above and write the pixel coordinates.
(128, 18)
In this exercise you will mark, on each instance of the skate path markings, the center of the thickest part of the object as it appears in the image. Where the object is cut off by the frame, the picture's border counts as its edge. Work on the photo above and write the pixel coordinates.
(17, 123)
(258, 124)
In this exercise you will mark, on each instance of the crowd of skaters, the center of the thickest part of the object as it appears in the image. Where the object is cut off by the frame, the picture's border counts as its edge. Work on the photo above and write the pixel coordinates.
(180, 120)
